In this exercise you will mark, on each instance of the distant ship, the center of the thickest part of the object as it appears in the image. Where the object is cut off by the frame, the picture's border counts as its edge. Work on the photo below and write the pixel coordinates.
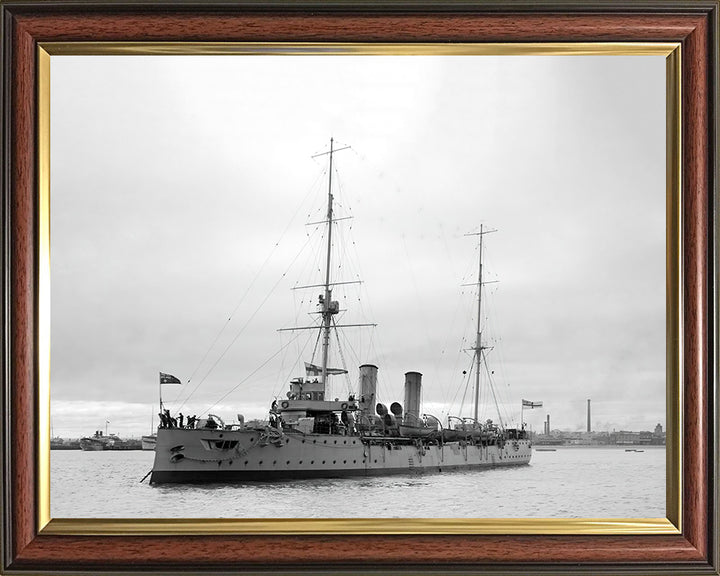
(310, 436)
(100, 441)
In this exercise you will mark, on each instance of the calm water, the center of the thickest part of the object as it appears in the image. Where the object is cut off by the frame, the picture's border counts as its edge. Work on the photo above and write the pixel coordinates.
(573, 482)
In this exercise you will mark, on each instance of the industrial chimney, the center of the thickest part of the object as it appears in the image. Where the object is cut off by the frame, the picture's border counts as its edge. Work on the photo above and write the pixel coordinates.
(413, 386)
(589, 428)
(547, 425)
(368, 387)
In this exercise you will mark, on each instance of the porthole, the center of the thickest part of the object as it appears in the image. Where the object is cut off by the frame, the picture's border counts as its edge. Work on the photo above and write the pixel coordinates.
(300, 462)
(334, 461)
(344, 441)
(344, 461)
(246, 462)
(324, 441)
(260, 463)
(312, 461)
(323, 461)
(288, 462)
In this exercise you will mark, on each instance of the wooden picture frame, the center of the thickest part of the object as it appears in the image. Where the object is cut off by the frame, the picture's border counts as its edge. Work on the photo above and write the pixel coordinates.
(688, 543)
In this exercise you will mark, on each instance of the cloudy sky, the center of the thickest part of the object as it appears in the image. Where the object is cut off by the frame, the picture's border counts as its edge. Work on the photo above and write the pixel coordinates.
(184, 192)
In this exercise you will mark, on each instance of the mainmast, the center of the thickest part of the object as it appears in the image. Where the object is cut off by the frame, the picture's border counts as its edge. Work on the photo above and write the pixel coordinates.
(478, 348)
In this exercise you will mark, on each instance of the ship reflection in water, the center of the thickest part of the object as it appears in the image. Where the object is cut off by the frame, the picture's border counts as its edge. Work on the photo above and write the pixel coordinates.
(571, 482)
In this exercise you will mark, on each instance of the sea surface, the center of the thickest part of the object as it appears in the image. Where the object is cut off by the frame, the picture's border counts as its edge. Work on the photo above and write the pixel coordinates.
(572, 482)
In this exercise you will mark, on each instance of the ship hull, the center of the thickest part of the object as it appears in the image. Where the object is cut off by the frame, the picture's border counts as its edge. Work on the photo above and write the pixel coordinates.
(205, 456)
(90, 445)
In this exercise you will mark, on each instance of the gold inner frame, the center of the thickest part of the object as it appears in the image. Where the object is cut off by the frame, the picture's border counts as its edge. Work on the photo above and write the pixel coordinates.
(669, 525)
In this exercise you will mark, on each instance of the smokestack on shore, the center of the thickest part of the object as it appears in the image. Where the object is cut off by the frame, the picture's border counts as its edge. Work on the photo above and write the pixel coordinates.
(589, 428)
(368, 387)
(413, 387)
(547, 426)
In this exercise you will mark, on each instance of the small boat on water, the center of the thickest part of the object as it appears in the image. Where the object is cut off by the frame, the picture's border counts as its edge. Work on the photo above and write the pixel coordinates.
(311, 436)
(148, 442)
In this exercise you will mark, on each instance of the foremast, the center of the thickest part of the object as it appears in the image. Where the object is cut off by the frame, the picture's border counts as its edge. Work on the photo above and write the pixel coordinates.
(328, 307)
(328, 311)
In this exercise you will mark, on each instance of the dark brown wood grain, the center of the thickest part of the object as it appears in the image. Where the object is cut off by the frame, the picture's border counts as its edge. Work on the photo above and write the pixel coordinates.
(693, 25)
(22, 262)
(360, 28)
(696, 191)
(361, 550)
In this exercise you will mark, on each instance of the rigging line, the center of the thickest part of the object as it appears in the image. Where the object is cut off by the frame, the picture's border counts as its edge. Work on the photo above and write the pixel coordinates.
(342, 356)
(259, 272)
(242, 329)
(448, 256)
(457, 391)
(462, 402)
(280, 377)
(281, 370)
(468, 326)
(458, 306)
(310, 267)
(315, 348)
(288, 376)
(353, 353)
(492, 388)
(267, 361)
(418, 297)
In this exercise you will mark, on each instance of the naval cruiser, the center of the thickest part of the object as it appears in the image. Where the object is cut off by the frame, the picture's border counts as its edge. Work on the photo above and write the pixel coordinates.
(309, 435)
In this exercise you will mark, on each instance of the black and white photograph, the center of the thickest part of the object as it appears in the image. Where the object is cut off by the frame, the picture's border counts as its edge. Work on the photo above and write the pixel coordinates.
(358, 286)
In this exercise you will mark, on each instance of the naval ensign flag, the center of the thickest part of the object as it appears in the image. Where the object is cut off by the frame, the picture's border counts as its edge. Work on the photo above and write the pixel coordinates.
(166, 379)
(528, 404)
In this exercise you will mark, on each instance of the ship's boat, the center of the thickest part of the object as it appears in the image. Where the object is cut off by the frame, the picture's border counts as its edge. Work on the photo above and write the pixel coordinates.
(308, 435)
(148, 442)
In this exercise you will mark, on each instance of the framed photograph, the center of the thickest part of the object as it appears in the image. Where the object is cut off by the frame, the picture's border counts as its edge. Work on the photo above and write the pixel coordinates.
(380, 287)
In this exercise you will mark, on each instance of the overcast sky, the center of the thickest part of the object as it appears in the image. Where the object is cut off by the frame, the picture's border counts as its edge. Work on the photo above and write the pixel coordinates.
(182, 188)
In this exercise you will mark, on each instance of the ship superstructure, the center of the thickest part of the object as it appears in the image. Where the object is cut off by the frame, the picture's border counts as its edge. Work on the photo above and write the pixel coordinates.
(311, 436)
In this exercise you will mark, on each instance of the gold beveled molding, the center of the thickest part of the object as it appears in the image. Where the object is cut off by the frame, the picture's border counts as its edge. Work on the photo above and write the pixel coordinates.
(669, 525)
(359, 49)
